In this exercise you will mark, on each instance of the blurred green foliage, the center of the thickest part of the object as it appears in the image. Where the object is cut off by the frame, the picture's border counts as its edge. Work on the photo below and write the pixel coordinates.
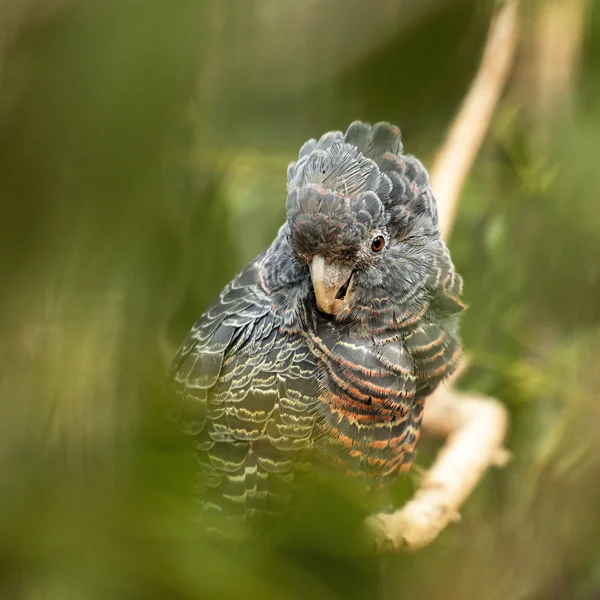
(143, 147)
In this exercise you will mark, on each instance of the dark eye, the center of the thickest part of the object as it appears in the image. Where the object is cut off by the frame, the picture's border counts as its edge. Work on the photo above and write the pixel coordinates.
(378, 243)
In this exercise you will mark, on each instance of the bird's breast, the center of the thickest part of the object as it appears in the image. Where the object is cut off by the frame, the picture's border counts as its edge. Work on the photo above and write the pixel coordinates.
(369, 415)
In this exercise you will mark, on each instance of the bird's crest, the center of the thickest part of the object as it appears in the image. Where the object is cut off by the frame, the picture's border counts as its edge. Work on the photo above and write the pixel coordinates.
(362, 172)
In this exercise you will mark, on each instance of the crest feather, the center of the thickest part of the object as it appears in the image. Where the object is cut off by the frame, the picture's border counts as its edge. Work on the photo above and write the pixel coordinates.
(367, 158)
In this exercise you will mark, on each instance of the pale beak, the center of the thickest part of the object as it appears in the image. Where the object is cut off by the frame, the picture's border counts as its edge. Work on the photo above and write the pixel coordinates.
(330, 283)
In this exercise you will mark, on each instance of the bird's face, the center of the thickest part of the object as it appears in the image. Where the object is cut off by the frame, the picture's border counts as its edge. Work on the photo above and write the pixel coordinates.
(341, 251)
(365, 227)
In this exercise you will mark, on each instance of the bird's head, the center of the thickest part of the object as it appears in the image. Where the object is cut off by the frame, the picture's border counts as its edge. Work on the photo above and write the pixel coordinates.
(362, 217)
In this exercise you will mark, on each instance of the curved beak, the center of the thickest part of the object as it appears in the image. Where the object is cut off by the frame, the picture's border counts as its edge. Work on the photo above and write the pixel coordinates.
(330, 283)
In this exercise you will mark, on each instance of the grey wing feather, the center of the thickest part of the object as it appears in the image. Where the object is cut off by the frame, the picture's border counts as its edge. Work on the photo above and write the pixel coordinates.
(197, 364)
(435, 344)
(246, 391)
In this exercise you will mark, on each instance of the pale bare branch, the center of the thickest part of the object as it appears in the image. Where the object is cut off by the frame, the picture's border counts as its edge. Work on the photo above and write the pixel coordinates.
(473, 426)
(467, 132)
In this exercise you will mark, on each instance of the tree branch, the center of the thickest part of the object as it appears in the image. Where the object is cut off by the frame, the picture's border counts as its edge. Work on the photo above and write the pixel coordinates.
(473, 426)
(467, 132)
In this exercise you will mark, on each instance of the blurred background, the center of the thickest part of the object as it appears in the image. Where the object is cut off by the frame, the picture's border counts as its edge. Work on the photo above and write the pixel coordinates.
(143, 152)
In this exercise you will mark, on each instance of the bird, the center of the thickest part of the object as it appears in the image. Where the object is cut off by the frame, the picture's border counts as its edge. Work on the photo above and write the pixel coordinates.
(324, 348)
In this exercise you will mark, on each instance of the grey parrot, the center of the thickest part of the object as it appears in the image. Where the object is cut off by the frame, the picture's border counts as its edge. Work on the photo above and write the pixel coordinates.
(324, 348)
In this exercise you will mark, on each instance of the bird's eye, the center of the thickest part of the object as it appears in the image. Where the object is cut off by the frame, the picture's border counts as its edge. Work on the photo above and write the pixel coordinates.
(378, 243)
